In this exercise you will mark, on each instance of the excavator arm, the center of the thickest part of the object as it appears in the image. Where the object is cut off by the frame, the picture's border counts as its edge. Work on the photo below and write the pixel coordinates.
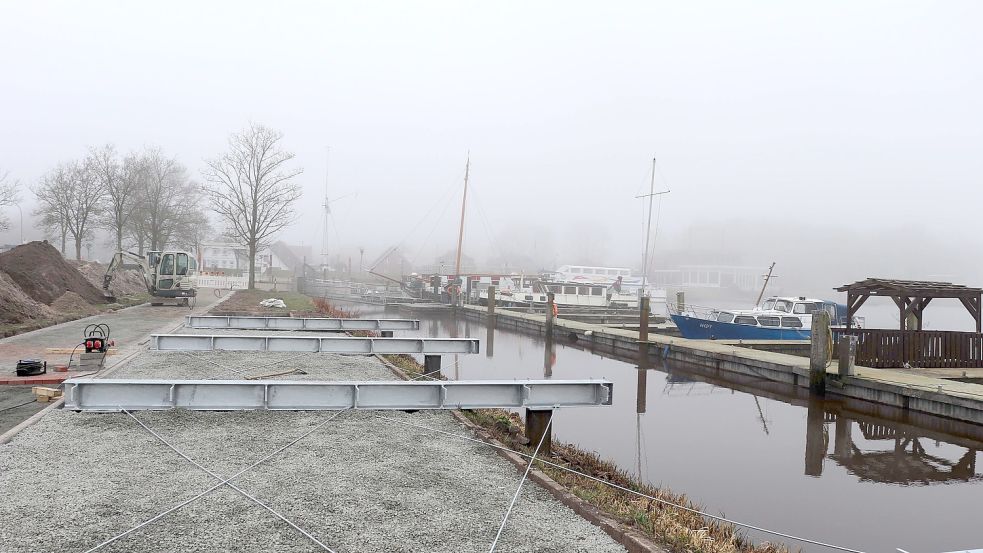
(118, 259)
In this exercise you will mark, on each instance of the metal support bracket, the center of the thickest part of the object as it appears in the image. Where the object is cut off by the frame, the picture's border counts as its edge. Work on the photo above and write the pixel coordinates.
(313, 344)
(109, 395)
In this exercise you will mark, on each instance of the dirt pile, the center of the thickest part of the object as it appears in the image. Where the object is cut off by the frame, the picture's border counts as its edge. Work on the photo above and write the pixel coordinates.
(74, 304)
(18, 307)
(126, 282)
(44, 275)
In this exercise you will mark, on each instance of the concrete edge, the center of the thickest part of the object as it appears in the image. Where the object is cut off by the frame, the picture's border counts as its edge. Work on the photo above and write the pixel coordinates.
(629, 538)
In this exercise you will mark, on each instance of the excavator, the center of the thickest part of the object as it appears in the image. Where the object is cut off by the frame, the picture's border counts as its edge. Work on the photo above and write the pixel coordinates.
(170, 276)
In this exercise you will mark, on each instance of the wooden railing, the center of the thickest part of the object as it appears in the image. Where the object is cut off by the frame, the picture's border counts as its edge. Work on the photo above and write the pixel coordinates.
(918, 348)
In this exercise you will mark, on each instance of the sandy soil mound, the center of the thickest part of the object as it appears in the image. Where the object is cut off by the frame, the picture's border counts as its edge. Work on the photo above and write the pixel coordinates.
(40, 271)
(16, 306)
(126, 282)
(72, 303)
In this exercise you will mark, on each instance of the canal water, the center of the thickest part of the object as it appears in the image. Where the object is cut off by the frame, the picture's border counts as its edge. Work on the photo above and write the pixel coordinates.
(851, 473)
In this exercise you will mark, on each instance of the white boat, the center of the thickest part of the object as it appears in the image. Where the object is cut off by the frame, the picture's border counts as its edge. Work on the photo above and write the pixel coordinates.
(526, 292)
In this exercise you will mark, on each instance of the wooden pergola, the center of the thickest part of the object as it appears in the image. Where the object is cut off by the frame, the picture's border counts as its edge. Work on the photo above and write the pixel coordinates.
(911, 297)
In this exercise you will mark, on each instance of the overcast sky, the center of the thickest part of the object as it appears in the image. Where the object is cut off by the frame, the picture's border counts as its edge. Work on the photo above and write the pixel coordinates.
(789, 116)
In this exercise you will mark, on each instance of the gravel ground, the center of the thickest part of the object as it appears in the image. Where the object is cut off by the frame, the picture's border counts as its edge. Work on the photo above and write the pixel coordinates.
(230, 365)
(359, 483)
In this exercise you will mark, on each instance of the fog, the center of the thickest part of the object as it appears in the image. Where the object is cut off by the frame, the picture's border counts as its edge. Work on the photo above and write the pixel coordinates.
(841, 140)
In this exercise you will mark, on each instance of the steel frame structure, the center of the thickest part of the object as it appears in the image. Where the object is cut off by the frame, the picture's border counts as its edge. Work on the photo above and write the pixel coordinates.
(110, 395)
(312, 344)
(298, 323)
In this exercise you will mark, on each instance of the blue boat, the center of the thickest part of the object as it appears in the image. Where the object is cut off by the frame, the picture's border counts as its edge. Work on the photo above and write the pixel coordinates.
(777, 319)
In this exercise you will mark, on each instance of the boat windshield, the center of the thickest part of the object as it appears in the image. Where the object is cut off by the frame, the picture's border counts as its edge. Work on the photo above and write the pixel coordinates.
(783, 305)
(768, 305)
(725, 317)
(805, 308)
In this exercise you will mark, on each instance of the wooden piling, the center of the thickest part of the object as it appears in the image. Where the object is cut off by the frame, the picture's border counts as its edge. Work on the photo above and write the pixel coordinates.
(431, 366)
(820, 352)
(643, 328)
(491, 303)
(550, 306)
(680, 302)
(536, 426)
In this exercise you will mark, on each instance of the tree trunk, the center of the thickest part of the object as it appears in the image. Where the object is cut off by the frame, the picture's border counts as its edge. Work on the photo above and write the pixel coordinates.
(252, 266)
(78, 249)
(119, 238)
(64, 239)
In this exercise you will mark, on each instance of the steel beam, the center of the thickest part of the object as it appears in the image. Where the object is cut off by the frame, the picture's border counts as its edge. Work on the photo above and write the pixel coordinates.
(299, 323)
(104, 394)
(313, 344)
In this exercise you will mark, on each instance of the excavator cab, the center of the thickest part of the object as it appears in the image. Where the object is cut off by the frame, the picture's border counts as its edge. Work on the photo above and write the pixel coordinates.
(170, 276)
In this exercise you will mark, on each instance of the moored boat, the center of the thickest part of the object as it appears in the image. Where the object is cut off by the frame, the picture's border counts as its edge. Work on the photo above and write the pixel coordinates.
(777, 318)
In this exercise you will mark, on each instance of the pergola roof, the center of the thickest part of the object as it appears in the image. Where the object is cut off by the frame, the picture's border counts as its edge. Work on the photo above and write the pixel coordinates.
(909, 288)
(911, 297)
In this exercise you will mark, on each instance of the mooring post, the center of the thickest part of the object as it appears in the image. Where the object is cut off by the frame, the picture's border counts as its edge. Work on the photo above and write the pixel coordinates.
(431, 366)
(536, 421)
(680, 302)
(819, 354)
(491, 303)
(550, 307)
(643, 328)
(847, 353)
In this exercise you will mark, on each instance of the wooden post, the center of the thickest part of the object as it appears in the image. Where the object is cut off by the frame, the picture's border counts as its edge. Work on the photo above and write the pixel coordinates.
(819, 355)
(643, 328)
(431, 366)
(491, 303)
(641, 389)
(550, 304)
(536, 421)
(490, 339)
(847, 349)
(680, 301)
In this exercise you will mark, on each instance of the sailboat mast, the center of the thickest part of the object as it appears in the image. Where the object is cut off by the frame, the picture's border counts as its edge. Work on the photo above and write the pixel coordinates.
(765, 285)
(464, 201)
(648, 232)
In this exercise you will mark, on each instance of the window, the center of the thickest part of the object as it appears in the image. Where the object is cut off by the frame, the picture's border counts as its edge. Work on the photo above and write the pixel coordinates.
(804, 308)
(588, 271)
(746, 320)
(725, 317)
(167, 265)
(193, 264)
(769, 321)
(583, 290)
(182, 263)
(569, 289)
(768, 305)
(597, 291)
(791, 322)
(783, 305)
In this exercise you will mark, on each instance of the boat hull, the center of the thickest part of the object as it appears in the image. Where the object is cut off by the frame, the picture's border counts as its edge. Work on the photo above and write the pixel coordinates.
(701, 329)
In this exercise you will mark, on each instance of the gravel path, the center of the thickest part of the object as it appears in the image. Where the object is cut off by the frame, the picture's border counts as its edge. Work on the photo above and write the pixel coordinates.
(358, 484)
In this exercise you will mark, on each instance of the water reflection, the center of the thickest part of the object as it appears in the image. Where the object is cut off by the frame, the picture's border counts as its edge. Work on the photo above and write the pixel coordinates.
(878, 450)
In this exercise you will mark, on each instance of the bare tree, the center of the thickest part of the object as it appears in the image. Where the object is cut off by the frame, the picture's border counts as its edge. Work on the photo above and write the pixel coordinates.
(167, 193)
(53, 193)
(251, 189)
(121, 180)
(70, 197)
(9, 195)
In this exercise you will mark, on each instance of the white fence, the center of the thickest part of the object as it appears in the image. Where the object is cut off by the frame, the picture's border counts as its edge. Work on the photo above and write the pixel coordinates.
(223, 282)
